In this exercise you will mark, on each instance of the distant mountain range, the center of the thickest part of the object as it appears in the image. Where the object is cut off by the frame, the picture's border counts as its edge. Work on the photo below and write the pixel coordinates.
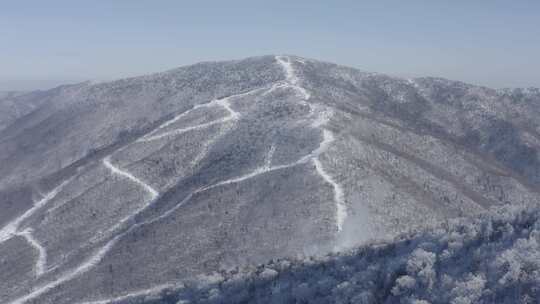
(115, 191)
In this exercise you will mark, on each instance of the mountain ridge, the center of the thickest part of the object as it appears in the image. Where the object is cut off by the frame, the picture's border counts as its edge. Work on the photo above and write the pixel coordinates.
(528, 90)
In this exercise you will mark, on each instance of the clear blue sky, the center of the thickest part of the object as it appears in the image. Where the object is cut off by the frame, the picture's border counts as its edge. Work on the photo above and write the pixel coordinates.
(44, 43)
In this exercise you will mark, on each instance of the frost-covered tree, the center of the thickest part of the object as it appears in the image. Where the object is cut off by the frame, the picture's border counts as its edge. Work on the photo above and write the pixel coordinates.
(494, 259)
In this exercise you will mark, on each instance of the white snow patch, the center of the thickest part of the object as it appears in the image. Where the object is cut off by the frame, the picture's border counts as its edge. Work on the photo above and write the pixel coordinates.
(184, 130)
(269, 156)
(41, 263)
(11, 229)
(115, 170)
(153, 196)
(69, 275)
(328, 137)
(291, 77)
(227, 105)
(177, 118)
(276, 86)
(323, 117)
(223, 102)
(412, 82)
(264, 169)
(339, 195)
(323, 146)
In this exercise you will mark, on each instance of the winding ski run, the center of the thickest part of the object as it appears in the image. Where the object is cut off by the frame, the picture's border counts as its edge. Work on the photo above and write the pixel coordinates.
(13, 229)
(292, 81)
(339, 194)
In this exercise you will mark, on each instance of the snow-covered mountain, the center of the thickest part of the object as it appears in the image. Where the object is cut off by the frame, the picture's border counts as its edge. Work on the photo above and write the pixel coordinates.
(128, 187)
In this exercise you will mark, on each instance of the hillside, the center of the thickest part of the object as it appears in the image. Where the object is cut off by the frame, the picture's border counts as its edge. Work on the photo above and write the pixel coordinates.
(121, 187)
(495, 259)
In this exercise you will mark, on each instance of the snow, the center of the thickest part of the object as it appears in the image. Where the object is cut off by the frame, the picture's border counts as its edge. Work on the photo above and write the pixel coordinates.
(11, 229)
(175, 119)
(233, 115)
(266, 168)
(339, 194)
(115, 170)
(41, 263)
(69, 275)
(153, 196)
(268, 160)
(321, 120)
(184, 130)
(323, 116)
(291, 77)
(420, 267)
(223, 102)
(227, 105)
(292, 81)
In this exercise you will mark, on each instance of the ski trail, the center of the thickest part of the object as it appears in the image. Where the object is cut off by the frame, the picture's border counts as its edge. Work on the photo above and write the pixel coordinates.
(184, 130)
(291, 77)
(328, 137)
(266, 168)
(227, 105)
(115, 170)
(323, 145)
(11, 229)
(261, 170)
(256, 172)
(70, 275)
(233, 115)
(223, 102)
(341, 208)
(268, 160)
(178, 117)
(153, 196)
(41, 263)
